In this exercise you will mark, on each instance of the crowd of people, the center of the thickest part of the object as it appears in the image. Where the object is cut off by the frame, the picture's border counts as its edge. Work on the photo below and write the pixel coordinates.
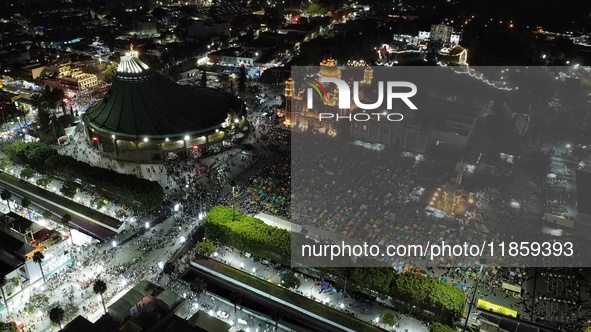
(378, 202)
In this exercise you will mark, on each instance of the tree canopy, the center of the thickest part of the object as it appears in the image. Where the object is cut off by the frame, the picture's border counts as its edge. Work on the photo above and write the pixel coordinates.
(37, 302)
(289, 280)
(8, 327)
(440, 298)
(110, 72)
(438, 327)
(205, 248)
(126, 189)
(248, 234)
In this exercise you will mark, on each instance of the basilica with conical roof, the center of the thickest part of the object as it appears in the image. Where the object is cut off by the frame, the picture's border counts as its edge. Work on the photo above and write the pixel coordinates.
(145, 116)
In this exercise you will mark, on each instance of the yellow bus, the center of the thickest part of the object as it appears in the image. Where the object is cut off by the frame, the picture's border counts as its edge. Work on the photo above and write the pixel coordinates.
(485, 305)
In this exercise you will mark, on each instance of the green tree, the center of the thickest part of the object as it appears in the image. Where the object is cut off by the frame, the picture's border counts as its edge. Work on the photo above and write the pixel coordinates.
(37, 302)
(389, 319)
(44, 182)
(204, 79)
(47, 101)
(27, 173)
(248, 234)
(69, 189)
(316, 9)
(443, 299)
(57, 315)
(100, 287)
(65, 220)
(6, 195)
(126, 189)
(38, 258)
(198, 286)
(48, 215)
(205, 248)
(289, 280)
(236, 299)
(168, 268)
(376, 279)
(71, 311)
(110, 72)
(8, 327)
(2, 284)
(438, 327)
(4, 163)
(121, 214)
(26, 203)
(277, 315)
(92, 70)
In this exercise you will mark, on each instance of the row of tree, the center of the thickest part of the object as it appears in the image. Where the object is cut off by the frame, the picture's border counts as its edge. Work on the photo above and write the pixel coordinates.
(58, 314)
(126, 189)
(443, 301)
(248, 234)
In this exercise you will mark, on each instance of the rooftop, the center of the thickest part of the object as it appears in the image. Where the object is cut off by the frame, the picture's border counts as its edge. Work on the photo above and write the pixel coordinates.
(142, 103)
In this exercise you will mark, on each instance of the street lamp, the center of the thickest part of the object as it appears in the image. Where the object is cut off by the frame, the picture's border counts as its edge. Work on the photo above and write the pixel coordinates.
(147, 225)
(114, 243)
(233, 184)
(161, 265)
(183, 239)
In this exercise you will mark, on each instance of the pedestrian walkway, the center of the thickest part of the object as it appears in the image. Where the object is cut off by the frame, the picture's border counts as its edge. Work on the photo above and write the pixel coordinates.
(333, 298)
(260, 293)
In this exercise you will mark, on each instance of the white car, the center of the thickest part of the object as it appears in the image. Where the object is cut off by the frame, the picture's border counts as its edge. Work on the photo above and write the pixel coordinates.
(223, 314)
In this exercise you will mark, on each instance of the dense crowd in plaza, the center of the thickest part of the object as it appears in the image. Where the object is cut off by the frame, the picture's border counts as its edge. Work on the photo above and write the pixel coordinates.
(377, 205)
(383, 203)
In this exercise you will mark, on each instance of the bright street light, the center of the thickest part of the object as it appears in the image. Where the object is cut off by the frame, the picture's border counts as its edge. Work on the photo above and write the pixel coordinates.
(114, 243)
(183, 239)
(161, 265)
(147, 225)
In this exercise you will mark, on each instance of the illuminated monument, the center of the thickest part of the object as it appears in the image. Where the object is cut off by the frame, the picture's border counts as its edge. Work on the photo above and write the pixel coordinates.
(300, 118)
(145, 116)
(411, 134)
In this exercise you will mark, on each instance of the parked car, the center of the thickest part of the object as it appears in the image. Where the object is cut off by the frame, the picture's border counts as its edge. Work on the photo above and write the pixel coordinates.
(223, 314)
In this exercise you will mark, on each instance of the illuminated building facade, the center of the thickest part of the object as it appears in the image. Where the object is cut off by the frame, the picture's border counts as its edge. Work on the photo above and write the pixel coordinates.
(412, 134)
(144, 116)
(299, 117)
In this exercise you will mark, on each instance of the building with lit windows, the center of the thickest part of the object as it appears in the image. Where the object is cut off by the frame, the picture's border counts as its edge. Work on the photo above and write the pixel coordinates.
(71, 78)
(20, 238)
(413, 134)
(440, 123)
(299, 117)
(146, 117)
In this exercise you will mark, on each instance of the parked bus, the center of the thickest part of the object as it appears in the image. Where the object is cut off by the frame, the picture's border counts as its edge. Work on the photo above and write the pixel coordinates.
(485, 305)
